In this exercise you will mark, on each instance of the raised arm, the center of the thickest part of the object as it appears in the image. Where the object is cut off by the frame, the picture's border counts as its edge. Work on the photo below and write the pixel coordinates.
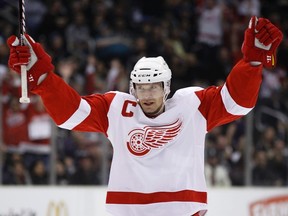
(220, 105)
(63, 103)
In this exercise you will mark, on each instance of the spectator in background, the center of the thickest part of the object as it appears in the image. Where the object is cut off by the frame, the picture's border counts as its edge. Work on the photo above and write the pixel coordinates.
(35, 11)
(87, 148)
(110, 44)
(15, 127)
(77, 35)
(70, 167)
(210, 38)
(37, 147)
(235, 151)
(117, 77)
(15, 172)
(57, 46)
(282, 53)
(68, 70)
(261, 172)
(272, 83)
(61, 174)
(39, 175)
(278, 163)
(19, 175)
(95, 75)
(216, 174)
(55, 20)
(87, 171)
(3, 55)
(139, 48)
(248, 8)
(210, 29)
(235, 160)
(267, 139)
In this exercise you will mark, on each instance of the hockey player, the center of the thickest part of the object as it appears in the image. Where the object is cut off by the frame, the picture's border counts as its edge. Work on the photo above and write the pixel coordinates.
(158, 163)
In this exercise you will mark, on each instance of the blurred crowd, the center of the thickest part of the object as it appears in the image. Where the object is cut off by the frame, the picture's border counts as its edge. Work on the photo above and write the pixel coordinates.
(94, 45)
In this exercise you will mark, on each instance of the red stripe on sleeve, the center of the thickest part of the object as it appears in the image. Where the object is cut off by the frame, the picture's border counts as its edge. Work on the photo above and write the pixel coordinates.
(213, 109)
(61, 101)
(243, 84)
(97, 119)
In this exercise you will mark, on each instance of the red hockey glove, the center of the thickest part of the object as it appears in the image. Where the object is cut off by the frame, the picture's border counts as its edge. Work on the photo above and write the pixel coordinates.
(260, 42)
(37, 61)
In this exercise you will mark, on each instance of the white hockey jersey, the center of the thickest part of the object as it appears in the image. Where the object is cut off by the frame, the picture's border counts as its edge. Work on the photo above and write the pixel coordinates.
(158, 163)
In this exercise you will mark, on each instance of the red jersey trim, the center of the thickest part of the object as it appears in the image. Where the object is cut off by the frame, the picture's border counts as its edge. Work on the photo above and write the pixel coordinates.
(119, 197)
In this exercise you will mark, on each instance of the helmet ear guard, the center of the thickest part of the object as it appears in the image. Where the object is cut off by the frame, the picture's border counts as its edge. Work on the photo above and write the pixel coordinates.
(151, 70)
(132, 89)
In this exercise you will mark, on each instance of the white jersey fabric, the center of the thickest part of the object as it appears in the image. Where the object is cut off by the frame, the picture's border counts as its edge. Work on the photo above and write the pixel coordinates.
(158, 163)
(158, 157)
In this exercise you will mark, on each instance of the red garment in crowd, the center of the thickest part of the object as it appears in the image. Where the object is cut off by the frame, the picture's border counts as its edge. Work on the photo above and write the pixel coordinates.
(39, 129)
(14, 126)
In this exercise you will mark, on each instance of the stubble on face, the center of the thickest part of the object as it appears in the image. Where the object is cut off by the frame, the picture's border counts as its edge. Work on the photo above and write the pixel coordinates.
(152, 108)
(151, 98)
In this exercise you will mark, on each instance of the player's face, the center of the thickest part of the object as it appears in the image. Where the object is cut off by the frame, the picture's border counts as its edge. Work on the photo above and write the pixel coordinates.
(150, 98)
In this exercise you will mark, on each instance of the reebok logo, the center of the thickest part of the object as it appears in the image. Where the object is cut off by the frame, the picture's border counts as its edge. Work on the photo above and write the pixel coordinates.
(31, 78)
(268, 58)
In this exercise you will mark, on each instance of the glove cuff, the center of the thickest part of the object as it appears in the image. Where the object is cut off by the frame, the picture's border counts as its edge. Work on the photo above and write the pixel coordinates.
(36, 75)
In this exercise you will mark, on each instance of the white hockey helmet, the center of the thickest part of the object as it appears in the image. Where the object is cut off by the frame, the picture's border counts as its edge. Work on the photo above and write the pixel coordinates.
(151, 70)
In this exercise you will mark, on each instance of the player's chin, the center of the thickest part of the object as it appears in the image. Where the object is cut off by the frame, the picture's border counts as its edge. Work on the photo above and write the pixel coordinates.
(148, 109)
(151, 111)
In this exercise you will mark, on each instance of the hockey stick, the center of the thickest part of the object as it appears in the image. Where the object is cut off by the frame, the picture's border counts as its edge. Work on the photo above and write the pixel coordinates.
(22, 29)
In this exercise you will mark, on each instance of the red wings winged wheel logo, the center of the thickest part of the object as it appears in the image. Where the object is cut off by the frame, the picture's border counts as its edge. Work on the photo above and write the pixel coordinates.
(144, 140)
